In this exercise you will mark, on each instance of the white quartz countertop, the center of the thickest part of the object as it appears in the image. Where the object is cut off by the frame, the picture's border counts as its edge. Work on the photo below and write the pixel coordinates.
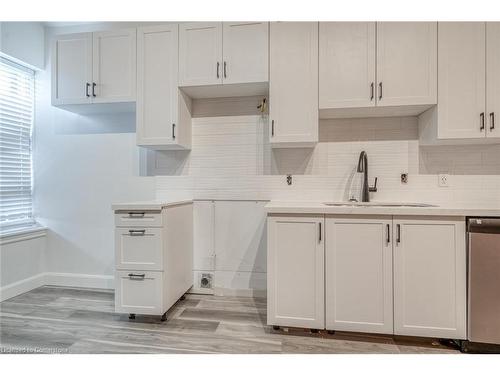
(291, 207)
(148, 205)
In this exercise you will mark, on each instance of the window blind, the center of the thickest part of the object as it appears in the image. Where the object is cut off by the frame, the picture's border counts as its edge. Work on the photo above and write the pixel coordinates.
(17, 93)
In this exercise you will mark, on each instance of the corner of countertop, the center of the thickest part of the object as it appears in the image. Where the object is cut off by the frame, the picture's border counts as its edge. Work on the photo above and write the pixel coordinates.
(149, 205)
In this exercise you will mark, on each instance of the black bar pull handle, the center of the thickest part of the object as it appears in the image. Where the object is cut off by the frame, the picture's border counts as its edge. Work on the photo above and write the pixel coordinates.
(492, 121)
(136, 275)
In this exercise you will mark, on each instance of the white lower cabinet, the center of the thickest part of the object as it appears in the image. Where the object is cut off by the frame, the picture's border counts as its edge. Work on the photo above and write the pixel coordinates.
(153, 257)
(403, 275)
(295, 280)
(359, 274)
(430, 277)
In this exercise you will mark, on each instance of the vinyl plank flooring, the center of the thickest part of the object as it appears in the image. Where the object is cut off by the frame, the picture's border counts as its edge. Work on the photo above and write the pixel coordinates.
(34, 298)
(304, 345)
(143, 321)
(20, 333)
(82, 293)
(223, 316)
(109, 347)
(72, 320)
(243, 330)
(242, 306)
(83, 304)
(16, 308)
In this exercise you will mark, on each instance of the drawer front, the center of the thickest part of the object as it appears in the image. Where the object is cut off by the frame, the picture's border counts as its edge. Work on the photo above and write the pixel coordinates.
(138, 249)
(138, 218)
(138, 292)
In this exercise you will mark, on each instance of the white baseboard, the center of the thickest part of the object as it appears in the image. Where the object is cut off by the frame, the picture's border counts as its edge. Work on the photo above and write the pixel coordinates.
(21, 286)
(79, 280)
(58, 279)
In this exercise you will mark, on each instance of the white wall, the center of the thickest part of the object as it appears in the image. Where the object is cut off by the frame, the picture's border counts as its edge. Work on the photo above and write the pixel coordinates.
(24, 41)
(82, 164)
(22, 265)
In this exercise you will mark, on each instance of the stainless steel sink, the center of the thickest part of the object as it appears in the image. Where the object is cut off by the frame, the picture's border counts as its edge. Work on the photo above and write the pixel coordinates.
(377, 204)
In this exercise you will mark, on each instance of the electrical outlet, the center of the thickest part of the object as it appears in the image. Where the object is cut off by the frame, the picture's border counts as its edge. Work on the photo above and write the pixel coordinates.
(443, 180)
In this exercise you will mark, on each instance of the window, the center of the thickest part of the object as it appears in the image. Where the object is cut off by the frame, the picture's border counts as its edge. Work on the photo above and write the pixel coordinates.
(16, 120)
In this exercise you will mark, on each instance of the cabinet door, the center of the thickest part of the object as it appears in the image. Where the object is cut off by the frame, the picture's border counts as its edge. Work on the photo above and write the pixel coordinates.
(293, 85)
(346, 64)
(406, 63)
(462, 79)
(295, 278)
(157, 91)
(493, 78)
(430, 278)
(359, 274)
(114, 66)
(72, 69)
(200, 53)
(245, 50)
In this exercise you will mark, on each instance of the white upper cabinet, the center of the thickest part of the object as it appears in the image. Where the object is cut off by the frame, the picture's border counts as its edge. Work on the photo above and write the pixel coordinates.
(245, 52)
(493, 78)
(214, 54)
(200, 53)
(462, 80)
(430, 278)
(293, 84)
(295, 266)
(163, 119)
(358, 268)
(72, 69)
(406, 63)
(346, 64)
(377, 69)
(95, 67)
(114, 66)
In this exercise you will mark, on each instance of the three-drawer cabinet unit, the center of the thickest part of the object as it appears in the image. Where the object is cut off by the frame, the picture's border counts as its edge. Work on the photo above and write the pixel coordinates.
(153, 256)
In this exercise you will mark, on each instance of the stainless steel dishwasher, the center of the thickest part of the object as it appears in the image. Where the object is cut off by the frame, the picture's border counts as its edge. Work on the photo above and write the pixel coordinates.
(484, 280)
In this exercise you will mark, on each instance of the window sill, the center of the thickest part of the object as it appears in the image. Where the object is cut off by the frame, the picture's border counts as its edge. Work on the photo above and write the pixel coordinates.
(22, 234)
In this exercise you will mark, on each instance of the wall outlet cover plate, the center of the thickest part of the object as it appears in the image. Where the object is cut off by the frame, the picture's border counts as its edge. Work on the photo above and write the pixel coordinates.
(443, 180)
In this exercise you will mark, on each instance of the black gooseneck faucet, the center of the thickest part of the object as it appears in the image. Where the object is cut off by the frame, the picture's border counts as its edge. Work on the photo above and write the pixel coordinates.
(363, 168)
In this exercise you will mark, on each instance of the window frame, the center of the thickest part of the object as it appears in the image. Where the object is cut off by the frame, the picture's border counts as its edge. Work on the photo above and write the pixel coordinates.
(16, 225)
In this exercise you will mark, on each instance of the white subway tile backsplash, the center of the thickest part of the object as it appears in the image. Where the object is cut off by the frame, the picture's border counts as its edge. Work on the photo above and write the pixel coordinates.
(231, 159)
